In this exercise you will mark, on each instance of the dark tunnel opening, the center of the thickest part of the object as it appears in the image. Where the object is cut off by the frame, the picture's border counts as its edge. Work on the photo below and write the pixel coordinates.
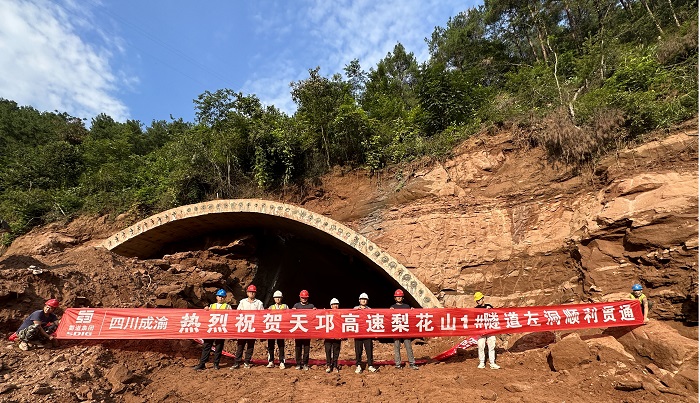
(291, 262)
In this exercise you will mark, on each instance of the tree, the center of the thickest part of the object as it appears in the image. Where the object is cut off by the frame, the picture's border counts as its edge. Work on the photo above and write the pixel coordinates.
(318, 99)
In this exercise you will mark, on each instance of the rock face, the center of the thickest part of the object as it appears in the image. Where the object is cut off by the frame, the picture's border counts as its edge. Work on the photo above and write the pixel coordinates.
(505, 222)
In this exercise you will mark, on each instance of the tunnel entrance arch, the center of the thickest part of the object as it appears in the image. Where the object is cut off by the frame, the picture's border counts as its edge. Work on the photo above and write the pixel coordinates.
(331, 257)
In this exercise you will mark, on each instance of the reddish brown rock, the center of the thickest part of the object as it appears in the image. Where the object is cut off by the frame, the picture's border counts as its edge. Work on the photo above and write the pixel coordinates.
(569, 352)
(659, 343)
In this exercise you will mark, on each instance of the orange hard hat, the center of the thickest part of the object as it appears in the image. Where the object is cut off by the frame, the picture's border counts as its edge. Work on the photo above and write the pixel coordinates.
(251, 288)
(53, 303)
(304, 294)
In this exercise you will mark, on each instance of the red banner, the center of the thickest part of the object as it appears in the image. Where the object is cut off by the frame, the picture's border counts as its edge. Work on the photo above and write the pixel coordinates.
(164, 323)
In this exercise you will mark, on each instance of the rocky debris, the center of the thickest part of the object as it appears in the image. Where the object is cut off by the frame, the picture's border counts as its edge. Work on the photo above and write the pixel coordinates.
(658, 343)
(7, 387)
(517, 387)
(42, 390)
(527, 341)
(569, 352)
(488, 395)
(628, 386)
(608, 349)
(118, 377)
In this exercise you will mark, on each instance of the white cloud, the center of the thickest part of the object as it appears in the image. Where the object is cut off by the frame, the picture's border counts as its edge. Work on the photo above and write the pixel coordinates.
(344, 30)
(46, 63)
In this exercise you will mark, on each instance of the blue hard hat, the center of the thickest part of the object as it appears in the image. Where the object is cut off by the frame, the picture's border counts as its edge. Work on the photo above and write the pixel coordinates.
(637, 287)
(221, 292)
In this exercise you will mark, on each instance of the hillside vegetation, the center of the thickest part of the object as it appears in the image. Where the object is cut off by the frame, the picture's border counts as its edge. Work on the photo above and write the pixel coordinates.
(578, 78)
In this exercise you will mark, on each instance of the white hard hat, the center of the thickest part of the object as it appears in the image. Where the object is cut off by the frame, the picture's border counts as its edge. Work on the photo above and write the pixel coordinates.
(364, 296)
(277, 294)
(335, 301)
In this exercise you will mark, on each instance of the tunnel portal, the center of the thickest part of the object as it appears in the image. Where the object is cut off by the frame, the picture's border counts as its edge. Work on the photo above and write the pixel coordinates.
(297, 249)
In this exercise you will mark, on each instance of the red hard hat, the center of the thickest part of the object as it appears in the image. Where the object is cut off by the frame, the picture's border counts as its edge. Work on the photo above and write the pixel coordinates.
(53, 303)
(304, 294)
(252, 288)
(398, 293)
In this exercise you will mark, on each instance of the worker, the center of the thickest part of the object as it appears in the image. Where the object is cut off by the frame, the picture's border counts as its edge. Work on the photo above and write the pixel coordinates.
(249, 304)
(332, 346)
(398, 297)
(302, 345)
(277, 296)
(39, 327)
(364, 343)
(643, 300)
(486, 340)
(218, 344)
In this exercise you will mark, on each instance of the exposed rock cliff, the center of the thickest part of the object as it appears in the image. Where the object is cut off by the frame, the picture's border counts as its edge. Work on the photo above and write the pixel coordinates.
(502, 220)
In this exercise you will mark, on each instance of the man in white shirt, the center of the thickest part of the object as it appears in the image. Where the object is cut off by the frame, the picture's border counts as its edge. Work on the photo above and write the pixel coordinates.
(248, 304)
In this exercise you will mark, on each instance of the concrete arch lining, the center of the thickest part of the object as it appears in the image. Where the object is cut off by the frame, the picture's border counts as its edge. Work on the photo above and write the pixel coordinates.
(146, 237)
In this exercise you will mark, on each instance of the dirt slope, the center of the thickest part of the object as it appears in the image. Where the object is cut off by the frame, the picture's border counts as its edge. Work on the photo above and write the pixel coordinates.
(569, 239)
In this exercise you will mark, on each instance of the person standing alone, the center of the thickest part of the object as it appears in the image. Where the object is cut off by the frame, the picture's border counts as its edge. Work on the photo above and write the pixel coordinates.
(485, 340)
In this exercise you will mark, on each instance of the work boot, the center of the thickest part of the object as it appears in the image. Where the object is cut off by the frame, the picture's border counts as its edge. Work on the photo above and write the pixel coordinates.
(216, 366)
(199, 367)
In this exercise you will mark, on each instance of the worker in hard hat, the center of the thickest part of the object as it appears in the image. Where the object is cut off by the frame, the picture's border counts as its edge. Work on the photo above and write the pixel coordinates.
(277, 296)
(364, 343)
(302, 345)
(332, 346)
(218, 344)
(485, 340)
(398, 297)
(39, 327)
(643, 300)
(249, 304)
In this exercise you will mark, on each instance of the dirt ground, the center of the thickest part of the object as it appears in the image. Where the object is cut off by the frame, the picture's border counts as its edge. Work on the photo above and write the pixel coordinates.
(140, 371)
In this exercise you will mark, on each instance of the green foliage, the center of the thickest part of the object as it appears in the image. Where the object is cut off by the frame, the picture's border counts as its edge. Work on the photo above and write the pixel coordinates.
(581, 77)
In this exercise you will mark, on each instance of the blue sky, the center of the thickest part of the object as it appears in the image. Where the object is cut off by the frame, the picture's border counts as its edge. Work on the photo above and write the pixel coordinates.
(148, 59)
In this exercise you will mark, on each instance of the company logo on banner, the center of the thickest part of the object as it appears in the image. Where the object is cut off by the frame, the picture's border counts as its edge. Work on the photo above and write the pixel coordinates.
(165, 323)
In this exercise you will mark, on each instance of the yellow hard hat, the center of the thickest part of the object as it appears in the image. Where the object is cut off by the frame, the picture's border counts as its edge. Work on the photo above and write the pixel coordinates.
(478, 296)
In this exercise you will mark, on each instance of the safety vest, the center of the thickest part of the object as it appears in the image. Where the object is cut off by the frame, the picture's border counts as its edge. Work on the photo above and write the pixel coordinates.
(641, 297)
(283, 306)
(219, 306)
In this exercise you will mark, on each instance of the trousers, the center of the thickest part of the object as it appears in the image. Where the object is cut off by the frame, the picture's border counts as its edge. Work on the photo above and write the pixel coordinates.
(491, 342)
